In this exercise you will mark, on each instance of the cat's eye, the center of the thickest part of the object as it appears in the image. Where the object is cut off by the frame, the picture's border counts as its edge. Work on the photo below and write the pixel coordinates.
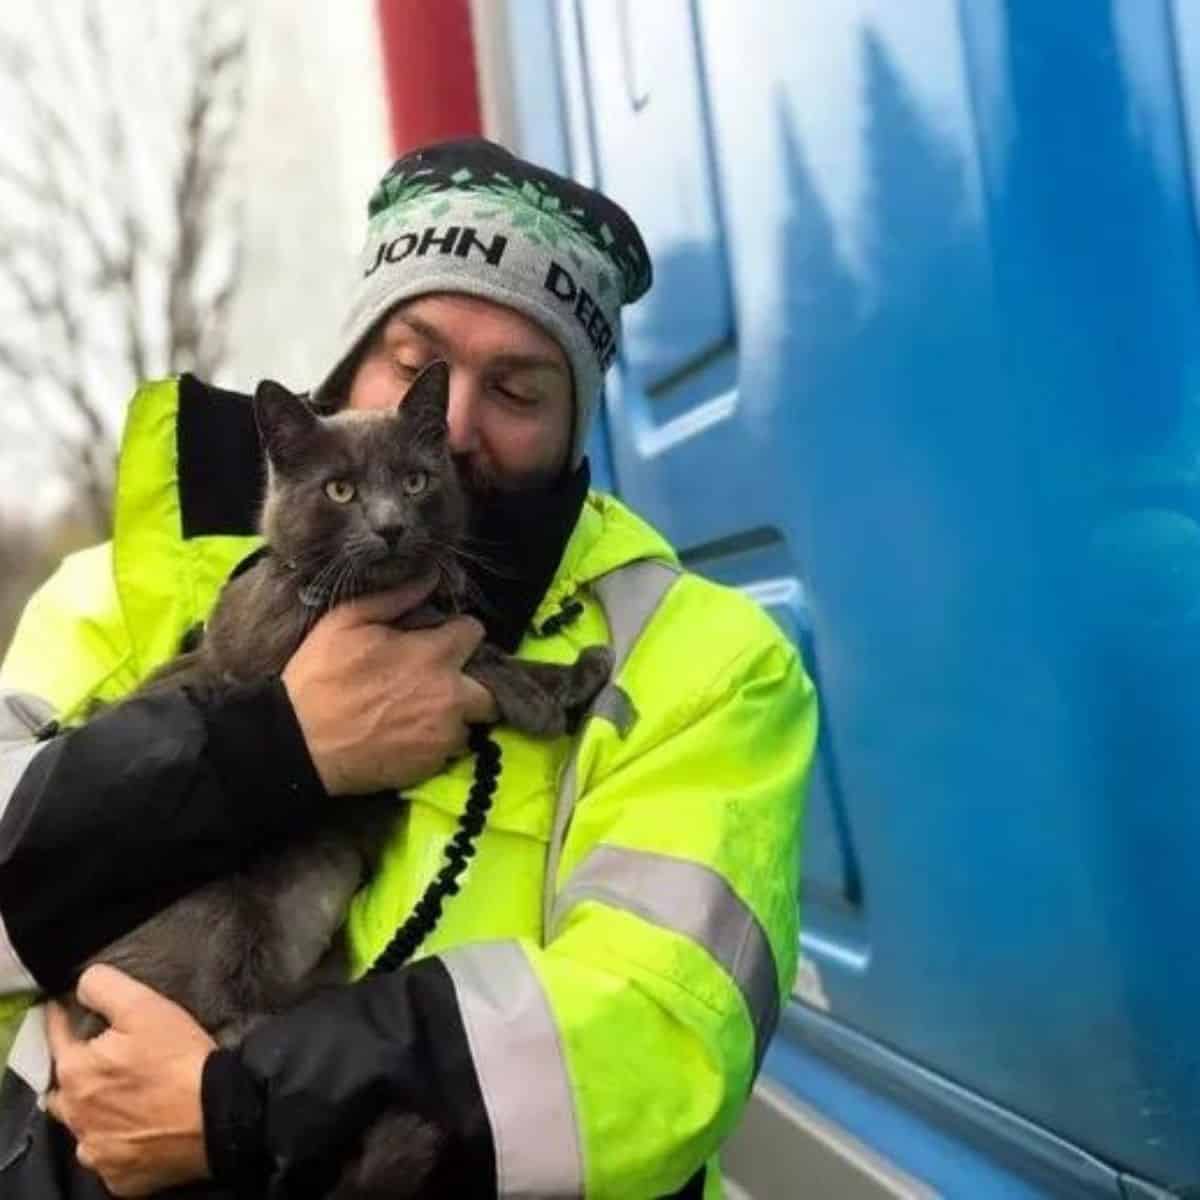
(414, 483)
(339, 491)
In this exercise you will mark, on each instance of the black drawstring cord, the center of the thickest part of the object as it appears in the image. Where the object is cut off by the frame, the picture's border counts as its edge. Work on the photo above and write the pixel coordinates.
(460, 849)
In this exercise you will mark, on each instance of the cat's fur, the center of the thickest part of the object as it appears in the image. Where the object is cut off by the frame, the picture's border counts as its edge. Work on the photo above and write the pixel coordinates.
(260, 941)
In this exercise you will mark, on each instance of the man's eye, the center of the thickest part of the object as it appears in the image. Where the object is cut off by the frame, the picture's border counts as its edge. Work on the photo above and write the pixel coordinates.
(515, 398)
(339, 491)
(407, 369)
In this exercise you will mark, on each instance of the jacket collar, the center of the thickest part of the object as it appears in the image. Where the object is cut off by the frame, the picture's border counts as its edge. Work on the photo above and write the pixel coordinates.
(191, 489)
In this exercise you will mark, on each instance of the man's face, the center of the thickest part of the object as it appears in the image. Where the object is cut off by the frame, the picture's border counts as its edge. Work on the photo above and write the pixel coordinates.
(510, 385)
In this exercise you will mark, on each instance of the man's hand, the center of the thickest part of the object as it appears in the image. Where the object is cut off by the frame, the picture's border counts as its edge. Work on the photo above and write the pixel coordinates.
(131, 1096)
(381, 707)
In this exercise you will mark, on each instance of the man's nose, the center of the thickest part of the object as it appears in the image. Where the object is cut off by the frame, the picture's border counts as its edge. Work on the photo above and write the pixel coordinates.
(462, 413)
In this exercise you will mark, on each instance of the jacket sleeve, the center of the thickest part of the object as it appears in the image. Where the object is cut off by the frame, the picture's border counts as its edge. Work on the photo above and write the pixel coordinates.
(104, 825)
(611, 1061)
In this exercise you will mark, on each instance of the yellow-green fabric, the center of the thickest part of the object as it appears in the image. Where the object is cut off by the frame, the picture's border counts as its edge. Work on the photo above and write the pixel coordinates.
(111, 614)
(656, 1036)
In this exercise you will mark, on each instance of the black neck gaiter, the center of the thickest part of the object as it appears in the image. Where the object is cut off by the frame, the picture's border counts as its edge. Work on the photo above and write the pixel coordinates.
(519, 538)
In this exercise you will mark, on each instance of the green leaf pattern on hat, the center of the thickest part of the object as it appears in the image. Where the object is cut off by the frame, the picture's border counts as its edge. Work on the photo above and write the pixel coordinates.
(399, 189)
(530, 207)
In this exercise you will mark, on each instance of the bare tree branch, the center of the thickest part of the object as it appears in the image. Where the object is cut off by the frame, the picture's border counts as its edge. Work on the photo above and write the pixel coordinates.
(17, 363)
(35, 303)
(111, 282)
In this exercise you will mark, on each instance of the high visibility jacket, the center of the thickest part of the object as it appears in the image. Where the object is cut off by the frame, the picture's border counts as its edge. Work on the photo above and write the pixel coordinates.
(602, 988)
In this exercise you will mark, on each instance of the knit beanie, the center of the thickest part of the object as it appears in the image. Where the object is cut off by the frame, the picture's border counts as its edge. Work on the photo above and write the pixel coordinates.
(468, 216)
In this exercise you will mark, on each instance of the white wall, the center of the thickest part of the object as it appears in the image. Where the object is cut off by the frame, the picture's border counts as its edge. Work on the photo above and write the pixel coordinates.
(317, 140)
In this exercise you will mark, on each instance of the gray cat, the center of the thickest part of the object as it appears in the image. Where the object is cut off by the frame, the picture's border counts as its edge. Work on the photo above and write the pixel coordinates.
(355, 503)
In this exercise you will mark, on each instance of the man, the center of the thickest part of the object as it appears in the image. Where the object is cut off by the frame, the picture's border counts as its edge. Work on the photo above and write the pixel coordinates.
(589, 1013)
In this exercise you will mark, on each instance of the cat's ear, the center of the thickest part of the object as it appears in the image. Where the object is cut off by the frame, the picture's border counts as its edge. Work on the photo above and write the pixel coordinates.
(287, 426)
(426, 403)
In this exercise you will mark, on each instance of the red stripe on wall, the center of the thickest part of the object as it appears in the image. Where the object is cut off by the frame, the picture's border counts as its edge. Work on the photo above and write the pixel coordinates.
(429, 68)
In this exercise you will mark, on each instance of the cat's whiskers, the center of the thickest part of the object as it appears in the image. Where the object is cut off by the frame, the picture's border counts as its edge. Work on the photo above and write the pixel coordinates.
(344, 585)
(318, 584)
(463, 592)
(463, 551)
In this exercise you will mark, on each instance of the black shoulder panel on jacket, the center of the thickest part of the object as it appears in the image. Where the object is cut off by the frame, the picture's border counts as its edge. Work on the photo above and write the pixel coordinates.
(220, 461)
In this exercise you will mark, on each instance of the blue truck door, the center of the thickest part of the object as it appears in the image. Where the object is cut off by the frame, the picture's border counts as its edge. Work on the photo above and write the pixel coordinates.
(677, 426)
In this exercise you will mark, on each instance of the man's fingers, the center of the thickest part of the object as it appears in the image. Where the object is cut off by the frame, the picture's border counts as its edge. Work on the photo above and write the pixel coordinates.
(53, 1104)
(59, 1035)
(380, 608)
(111, 993)
(459, 637)
(479, 705)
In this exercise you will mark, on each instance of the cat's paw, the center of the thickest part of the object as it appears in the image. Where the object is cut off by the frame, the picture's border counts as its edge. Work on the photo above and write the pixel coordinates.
(590, 672)
(538, 715)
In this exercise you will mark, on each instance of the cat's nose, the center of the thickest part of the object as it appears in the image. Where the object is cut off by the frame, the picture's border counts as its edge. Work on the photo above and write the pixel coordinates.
(392, 535)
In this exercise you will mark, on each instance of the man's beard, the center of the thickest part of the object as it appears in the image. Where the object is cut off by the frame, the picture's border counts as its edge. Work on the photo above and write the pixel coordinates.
(480, 480)
(516, 538)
